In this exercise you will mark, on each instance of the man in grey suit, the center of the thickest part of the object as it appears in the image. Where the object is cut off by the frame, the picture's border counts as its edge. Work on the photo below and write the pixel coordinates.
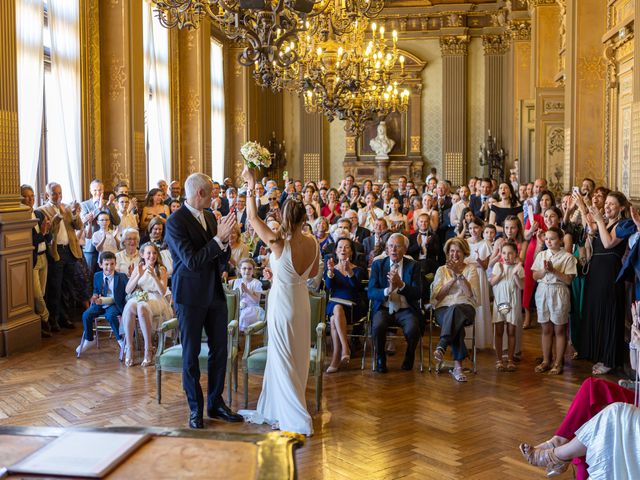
(89, 210)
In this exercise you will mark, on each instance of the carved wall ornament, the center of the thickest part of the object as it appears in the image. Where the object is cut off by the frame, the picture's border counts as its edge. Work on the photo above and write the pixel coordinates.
(115, 158)
(9, 169)
(540, 3)
(553, 106)
(555, 142)
(454, 19)
(591, 70)
(499, 18)
(191, 165)
(117, 77)
(496, 44)
(520, 29)
(239, 120)
(351, 144)
(415, 143)
(454, 45)
(192, 104)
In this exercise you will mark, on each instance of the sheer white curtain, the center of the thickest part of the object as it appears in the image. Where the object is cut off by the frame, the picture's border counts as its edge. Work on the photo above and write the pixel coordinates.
(30, 51)
(62, 96)
(217, 111)
(157, 105)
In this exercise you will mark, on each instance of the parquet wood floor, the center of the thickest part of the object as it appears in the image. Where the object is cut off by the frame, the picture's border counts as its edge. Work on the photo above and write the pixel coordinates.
(401, 425)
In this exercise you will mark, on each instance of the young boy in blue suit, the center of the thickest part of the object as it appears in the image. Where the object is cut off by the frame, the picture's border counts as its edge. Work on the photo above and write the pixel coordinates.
(108, 300)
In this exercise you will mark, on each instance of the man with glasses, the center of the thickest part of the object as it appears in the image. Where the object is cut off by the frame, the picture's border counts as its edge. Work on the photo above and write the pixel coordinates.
(272, 208)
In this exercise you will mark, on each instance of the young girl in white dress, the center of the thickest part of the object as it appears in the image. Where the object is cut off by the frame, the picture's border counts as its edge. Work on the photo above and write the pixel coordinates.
(507, 281)
(479, 256)
(250, 290)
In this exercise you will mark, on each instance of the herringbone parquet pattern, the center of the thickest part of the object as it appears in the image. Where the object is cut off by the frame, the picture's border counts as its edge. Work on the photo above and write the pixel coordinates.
(399, 425)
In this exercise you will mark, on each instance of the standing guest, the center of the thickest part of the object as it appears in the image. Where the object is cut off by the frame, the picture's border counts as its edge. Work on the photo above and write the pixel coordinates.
(367, 186)
(175, 193)
(163, 186)
(271, 208)
(443, 204)
(425, 249)
(532, 204)
(507, 205)
(127, 218)
(153, 207)
(431, 185)
(553, 269)
(108, 301)
(396, 219)
(368, 214)
(105, 239)
(219, 202)
(308, 196)
(155, 232)
(89, 210)
(481, 204)
(232, 196)
(532, 226)
(121, 188)
(173, 206)
(479, 254)
(199, 248)
(331, 209)
(64, 252)
(395, 289)
(40, 236)
(241, 212)
(507, 282)
(239, 250)
(552, 218)
(457, 208)
(602, 335)
(454, 295)
(345, 186)
(385, 200)
(433, 173)
(129, 256)
(401, 192)
(250, 291)
(343, 281)
(415, 206)
(355, 200)
(312, 216)
(462, 230)
(522, 194)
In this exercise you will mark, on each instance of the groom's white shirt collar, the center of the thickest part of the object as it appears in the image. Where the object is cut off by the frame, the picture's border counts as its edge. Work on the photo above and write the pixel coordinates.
(194, 211)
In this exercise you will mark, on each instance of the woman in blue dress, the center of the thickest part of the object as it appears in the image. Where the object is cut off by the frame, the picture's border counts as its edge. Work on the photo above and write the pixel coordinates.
(343, 281)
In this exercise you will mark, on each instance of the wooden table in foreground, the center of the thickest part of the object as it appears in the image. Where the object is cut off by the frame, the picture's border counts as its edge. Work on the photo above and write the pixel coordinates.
(177, 453)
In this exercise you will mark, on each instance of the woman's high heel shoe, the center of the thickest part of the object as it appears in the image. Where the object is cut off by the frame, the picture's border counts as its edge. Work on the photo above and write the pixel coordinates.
(148, 357)
(128, 356)
(545, 457)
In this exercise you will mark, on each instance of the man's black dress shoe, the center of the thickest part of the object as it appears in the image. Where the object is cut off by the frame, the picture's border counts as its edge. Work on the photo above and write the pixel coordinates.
(381, 365)
(54, 327)
(407, 364)
(223, 412)
(195, 420)
(67, 324)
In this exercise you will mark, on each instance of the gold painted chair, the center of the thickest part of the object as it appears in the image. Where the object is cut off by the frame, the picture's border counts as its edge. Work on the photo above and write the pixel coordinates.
(254, 361)
(169, 359)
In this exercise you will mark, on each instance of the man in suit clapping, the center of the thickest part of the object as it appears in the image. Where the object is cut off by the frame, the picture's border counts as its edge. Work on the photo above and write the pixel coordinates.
(199, 248)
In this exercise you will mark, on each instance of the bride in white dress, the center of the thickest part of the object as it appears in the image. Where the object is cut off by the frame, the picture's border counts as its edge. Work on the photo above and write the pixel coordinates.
(282, 402)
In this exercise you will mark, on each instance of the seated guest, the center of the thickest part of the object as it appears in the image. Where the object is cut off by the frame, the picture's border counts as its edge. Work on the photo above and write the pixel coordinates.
(356, 201)
(343, 280)
(331, 208)
(108, 301)
(396, 219)
(173, 206)
(454, 292)
(358, 233)
(322, 235)
(218, 202)
(250, 291)
(241, 211)
(127, 218)
(153, 207)
(343, 230)
(127, 258)
(147, 288)
(262, 251)
(312, 216)
(175, 193)
(424, 246)
(105, 239)
(375, 244)
(368, 214)
(395, 288)
(415, 205)
(271, 208)
(428, 208)
(239, 250)
(155, 232)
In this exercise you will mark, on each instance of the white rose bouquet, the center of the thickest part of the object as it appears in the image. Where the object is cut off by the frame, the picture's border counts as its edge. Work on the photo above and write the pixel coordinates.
(255, 155)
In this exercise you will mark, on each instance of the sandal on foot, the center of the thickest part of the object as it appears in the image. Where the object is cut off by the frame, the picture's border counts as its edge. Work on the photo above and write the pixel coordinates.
(553, 442)
(556, 370)
(511, 367)
(545, 457)
(543, 367)
(438, 355)
(600, 369)
(458, 375)
(499, 366)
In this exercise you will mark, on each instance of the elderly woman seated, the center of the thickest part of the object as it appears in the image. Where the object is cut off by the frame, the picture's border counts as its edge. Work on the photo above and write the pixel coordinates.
(127, 258)
(454, 292)
(343, 280)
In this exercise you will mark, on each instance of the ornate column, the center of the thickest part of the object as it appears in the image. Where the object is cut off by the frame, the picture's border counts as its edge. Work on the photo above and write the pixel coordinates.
(495, 48)
(236, 100)
(585, 92)
(19, 327)
(194, 48)
(454, 107)
(122, 86)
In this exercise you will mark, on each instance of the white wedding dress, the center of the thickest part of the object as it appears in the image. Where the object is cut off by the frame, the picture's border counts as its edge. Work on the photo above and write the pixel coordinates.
(282, 402)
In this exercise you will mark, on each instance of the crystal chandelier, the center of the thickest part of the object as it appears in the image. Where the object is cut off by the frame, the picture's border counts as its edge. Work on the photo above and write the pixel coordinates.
(348, 77)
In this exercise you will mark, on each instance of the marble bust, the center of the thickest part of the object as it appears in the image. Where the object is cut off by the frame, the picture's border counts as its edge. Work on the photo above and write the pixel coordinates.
(381, 144)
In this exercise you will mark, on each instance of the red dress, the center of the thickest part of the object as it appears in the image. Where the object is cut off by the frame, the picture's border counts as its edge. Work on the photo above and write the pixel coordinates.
(529, 282)
(326, 212)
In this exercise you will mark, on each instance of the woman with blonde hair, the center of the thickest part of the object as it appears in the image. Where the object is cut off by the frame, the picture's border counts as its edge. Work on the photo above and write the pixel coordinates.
(282, 401)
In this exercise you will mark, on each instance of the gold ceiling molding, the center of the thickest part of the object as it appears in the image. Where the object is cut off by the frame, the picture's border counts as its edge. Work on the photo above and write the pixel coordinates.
(454, 45)
(533, 4)
(496, 44)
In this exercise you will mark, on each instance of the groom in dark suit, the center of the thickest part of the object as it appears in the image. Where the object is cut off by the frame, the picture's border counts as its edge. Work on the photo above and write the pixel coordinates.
(394, 289)
(199, 248)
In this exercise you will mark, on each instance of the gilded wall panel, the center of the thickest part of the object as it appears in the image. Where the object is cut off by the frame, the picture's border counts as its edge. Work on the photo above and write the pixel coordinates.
(634, 167)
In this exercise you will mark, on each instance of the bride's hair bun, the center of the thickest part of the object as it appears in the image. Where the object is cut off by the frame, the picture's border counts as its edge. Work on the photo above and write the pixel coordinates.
(293, 216)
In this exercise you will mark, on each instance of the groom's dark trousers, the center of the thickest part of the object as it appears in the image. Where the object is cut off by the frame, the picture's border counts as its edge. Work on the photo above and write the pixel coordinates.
(200, 302)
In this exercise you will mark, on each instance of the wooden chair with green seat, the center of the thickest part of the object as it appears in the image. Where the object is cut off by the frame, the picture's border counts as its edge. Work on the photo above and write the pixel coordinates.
(255, 361)
(169, 359)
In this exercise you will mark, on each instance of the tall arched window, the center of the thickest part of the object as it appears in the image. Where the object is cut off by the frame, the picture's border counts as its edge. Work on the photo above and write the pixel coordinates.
(217, 111)
(157, 107)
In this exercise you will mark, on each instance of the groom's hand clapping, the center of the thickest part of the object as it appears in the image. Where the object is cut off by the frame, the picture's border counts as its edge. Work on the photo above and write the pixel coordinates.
(226, 226)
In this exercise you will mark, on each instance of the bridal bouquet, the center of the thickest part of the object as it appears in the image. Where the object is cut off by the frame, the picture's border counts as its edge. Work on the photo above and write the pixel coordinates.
(255, 155)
